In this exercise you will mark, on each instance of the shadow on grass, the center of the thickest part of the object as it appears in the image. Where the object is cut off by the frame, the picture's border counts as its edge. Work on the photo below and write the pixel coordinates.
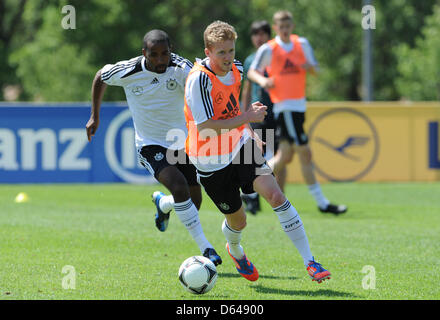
(317, 293)
(236, 275)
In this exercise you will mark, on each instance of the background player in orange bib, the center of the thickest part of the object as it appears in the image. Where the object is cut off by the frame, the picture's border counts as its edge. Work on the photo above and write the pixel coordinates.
(287, 59)
(221, 146)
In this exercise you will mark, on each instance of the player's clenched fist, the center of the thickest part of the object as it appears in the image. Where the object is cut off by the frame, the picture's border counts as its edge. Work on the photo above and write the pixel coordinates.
(91, 127)
(257, 112)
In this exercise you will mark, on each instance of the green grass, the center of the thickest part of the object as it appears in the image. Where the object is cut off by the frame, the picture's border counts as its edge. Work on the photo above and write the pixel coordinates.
(107, 233)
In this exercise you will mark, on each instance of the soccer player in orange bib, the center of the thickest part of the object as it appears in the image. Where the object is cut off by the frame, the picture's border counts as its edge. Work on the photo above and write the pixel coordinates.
(287, 59)
(226, 152)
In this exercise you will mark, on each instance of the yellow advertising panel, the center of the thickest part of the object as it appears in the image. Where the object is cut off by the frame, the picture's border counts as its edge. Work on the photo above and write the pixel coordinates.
(355, 141)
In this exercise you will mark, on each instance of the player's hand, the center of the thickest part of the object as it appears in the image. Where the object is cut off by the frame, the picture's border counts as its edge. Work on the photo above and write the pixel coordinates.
(268, 83)
(257, 112)
(306, 66)
(92, 127)
(309, 68)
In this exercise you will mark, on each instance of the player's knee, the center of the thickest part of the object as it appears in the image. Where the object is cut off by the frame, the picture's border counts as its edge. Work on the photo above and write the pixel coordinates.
(286, 157)
(240, 225)
(276, 198)
(308, 157)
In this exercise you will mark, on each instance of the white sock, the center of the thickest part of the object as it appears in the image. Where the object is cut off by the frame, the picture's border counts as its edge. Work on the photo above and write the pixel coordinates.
(189, 216)
(166, 203)
(316, 192)
(233, 237)
(294, 229)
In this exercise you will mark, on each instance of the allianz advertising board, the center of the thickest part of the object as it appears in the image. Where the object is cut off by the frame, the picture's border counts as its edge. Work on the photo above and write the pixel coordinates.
(48, 143)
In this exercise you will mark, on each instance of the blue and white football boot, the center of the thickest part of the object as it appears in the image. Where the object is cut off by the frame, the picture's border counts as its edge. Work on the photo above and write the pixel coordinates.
(161, 218)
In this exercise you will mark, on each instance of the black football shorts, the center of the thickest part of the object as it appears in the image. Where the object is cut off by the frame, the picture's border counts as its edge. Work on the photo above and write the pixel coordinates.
(290, 127)
(223, 186)
(155, 158)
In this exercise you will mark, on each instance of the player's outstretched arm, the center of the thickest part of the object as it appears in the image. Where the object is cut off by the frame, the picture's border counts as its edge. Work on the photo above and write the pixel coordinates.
(98, 88)
(311, 69)
(262, 81)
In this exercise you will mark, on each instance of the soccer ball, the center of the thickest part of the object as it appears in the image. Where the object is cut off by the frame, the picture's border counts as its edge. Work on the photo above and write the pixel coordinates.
(197, 274)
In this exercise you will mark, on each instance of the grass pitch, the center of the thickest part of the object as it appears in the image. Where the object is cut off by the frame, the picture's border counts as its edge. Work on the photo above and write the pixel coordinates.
(387, 246)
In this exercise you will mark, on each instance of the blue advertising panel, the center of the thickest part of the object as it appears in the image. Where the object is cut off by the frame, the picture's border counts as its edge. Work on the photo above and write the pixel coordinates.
(48, 144)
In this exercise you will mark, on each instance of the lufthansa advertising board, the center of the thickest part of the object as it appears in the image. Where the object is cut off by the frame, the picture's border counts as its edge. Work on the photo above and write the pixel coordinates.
(387, 141)
(350, 141)
(48, 143)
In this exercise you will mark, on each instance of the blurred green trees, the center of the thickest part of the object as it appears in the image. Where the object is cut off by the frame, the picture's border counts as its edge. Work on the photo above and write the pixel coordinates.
(419, 67)
(50, 63)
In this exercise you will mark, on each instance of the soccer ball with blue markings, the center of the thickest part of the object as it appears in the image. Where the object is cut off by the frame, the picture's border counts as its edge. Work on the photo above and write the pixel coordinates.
(197, 274)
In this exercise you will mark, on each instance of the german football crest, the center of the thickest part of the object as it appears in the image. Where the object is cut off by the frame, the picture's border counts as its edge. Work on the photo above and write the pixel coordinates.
(171, 84)
(224, 206)
(158, 156)
(137, 90)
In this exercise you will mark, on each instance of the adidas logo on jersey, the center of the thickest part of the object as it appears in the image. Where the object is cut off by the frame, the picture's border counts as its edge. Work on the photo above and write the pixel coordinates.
(154, 81)
(289, 67)
(232, 108)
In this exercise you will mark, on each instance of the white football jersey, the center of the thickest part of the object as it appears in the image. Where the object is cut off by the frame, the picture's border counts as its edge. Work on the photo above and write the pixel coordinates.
(155, 100)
